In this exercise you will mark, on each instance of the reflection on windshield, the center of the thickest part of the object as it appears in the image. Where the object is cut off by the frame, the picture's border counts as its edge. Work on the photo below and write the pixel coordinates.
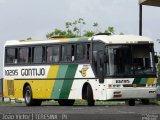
(142, 59)
(130, 60)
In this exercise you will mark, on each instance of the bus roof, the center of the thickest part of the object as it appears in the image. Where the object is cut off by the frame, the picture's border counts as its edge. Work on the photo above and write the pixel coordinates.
(109, 39)
(123, 39)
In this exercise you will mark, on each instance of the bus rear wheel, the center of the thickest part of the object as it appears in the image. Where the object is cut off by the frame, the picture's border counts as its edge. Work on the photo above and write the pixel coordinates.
(65, 102)
(145, 101)
(131, 102)
(90, 100)
(28, 97)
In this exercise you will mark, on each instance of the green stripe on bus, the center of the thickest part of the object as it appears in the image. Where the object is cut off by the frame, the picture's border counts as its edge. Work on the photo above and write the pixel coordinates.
(136, 80)
(143, 81)
(59, 83)
(67, 84)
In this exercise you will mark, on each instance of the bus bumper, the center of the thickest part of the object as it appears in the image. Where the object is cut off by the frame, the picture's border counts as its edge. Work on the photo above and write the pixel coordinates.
(132, 93)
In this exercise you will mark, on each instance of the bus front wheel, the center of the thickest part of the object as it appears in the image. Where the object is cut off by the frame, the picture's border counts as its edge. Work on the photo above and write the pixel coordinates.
(28, 97)
(90, 100)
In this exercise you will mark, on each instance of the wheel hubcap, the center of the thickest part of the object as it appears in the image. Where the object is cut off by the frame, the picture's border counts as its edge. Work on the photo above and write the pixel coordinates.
(28, 96)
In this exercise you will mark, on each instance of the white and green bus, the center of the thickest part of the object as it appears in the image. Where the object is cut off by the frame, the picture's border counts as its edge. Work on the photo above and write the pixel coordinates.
(103, 67)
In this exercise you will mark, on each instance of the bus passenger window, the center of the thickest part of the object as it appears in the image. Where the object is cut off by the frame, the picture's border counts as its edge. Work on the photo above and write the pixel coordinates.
(37, 55)
(68, 53)
(80, 52)
(49, 54)
(11, 55)
(23, 55)
(53, 54)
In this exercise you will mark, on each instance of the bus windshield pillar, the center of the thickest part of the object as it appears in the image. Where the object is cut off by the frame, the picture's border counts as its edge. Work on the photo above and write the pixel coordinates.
(100, 66)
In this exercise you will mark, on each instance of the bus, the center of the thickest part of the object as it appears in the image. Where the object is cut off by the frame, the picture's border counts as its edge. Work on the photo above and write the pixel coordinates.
(102, 67)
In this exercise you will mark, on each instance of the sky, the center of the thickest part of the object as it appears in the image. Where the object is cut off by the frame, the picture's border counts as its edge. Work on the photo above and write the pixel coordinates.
(20, 19)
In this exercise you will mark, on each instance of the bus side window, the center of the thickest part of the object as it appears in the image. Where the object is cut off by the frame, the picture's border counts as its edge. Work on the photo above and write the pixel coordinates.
(83, 52)
(49, 54)
(53, 54)
(80, 52)
(11, 55)
(23, 55)
(37, 54)
(68, 53)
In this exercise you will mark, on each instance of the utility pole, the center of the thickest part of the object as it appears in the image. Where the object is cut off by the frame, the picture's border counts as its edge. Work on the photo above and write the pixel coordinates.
(140, 19)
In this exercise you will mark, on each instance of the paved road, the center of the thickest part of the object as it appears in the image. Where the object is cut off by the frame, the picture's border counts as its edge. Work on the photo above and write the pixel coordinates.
(100, 112)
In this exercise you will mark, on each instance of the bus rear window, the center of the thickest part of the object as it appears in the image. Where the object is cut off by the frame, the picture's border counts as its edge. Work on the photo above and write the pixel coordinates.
(11, 55)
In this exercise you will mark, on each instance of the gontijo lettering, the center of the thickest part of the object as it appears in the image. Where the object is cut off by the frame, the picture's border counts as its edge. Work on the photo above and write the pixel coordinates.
(33, 72)
(26, 72)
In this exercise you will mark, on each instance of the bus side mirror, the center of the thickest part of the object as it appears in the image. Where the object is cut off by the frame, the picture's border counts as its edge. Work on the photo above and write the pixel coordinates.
(156, 59)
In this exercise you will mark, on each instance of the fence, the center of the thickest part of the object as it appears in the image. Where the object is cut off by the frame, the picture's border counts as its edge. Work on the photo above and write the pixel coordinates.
(1, 89)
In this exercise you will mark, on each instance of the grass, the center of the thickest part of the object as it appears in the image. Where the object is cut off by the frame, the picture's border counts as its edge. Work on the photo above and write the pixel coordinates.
(77, 102)
(10, 103)
(81, 102)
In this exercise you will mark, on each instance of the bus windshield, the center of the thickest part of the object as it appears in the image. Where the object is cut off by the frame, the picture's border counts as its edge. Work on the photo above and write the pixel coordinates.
(125, 60)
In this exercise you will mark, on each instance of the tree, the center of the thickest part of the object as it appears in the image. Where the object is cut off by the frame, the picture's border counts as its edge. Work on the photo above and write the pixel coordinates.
(56, 32)
(88, 33)
(110, 30)
(81, 22)
(95, 25)
(74, 29)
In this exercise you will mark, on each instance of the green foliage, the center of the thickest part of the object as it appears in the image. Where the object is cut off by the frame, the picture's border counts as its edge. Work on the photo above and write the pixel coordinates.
(110, 30)
(74, 29)
(88, 33)
(56, 32)
(95, 24)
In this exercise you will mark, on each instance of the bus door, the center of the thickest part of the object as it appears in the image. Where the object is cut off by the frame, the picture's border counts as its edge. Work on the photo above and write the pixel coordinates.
(100, 66)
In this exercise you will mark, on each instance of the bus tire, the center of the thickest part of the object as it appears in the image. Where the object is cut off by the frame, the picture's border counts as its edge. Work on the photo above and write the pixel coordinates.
(28, 97)
(145, 101)
(37, 102)
(65, 102)
(131, 102)
(90, 100)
